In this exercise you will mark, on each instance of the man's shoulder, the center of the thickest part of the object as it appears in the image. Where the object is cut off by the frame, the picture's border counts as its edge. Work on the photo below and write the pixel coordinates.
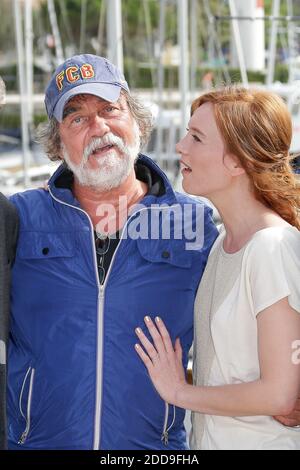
(29, 197)
(196, 206)
(195, 218)
(30, 204)
(186, 199)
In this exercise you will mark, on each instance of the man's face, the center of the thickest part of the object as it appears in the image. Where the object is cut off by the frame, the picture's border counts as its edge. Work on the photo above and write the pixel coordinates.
(100, 140)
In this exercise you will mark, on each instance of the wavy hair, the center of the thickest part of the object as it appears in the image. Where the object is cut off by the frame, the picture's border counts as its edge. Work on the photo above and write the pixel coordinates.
(256, 127)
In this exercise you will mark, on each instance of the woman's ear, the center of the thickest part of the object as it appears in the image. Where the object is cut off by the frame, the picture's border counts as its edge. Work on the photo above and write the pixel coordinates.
(233, 165)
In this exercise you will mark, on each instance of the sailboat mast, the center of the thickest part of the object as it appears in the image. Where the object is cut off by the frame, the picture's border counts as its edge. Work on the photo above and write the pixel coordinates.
(182, 20)
(29, 61)
(23, 91)
(238, 42)
(115, 33)
(273, 43)
(55, 32)
(194, 43)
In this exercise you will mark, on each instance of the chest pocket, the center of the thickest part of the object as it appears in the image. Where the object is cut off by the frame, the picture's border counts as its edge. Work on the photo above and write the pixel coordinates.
(45, 245)
(170, 252)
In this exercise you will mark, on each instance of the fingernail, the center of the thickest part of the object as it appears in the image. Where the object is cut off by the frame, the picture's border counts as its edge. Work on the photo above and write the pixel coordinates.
(138, 331)
(137, 346)
(157, 319)
(147, 319)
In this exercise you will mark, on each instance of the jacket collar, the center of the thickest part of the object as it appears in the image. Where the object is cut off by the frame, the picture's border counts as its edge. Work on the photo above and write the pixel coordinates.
(169, 197)
(170, 251)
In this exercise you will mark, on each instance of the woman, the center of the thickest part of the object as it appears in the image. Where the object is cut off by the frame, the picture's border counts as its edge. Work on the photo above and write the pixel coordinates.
(247, 322)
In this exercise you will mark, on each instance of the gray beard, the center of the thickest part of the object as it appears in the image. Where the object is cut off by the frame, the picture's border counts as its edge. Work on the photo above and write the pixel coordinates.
(113, 168)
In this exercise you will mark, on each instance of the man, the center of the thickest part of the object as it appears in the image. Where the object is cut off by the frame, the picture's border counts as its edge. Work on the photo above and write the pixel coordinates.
(8, 237)
(91, 263)
(109, 243)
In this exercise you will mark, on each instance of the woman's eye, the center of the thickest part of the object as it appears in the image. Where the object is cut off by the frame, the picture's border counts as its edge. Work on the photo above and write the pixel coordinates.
(195, 137)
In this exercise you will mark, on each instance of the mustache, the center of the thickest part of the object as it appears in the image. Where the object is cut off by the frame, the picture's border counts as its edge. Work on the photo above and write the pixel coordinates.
(108, 139)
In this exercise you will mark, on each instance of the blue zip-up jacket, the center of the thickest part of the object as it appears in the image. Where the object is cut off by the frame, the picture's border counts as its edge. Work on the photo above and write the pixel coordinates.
(75, 380)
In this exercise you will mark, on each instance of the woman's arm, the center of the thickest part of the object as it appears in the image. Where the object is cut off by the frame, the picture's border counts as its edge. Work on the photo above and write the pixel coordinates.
(275, 393)
(292, 420)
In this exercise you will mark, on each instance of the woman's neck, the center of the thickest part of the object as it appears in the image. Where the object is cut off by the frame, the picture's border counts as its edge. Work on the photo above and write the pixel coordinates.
(243, 215)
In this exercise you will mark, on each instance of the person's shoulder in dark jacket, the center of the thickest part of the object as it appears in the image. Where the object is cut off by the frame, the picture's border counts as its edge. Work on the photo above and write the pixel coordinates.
(9, 227)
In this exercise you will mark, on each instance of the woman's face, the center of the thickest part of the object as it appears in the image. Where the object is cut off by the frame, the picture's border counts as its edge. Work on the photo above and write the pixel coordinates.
(205, 164)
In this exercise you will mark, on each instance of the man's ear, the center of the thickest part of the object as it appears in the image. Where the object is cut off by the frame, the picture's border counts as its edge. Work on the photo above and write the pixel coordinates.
(233, 165)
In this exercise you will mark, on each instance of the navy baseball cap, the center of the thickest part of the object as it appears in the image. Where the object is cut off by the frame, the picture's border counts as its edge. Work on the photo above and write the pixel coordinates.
(85, 73)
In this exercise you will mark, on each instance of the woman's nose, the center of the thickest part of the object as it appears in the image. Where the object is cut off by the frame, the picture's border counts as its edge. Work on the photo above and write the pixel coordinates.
(179, 146)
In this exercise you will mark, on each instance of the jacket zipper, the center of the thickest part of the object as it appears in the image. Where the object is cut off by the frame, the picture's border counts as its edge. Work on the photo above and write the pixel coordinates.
(27, 418)
(166, 429)
(100, 309)
(101, 297)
